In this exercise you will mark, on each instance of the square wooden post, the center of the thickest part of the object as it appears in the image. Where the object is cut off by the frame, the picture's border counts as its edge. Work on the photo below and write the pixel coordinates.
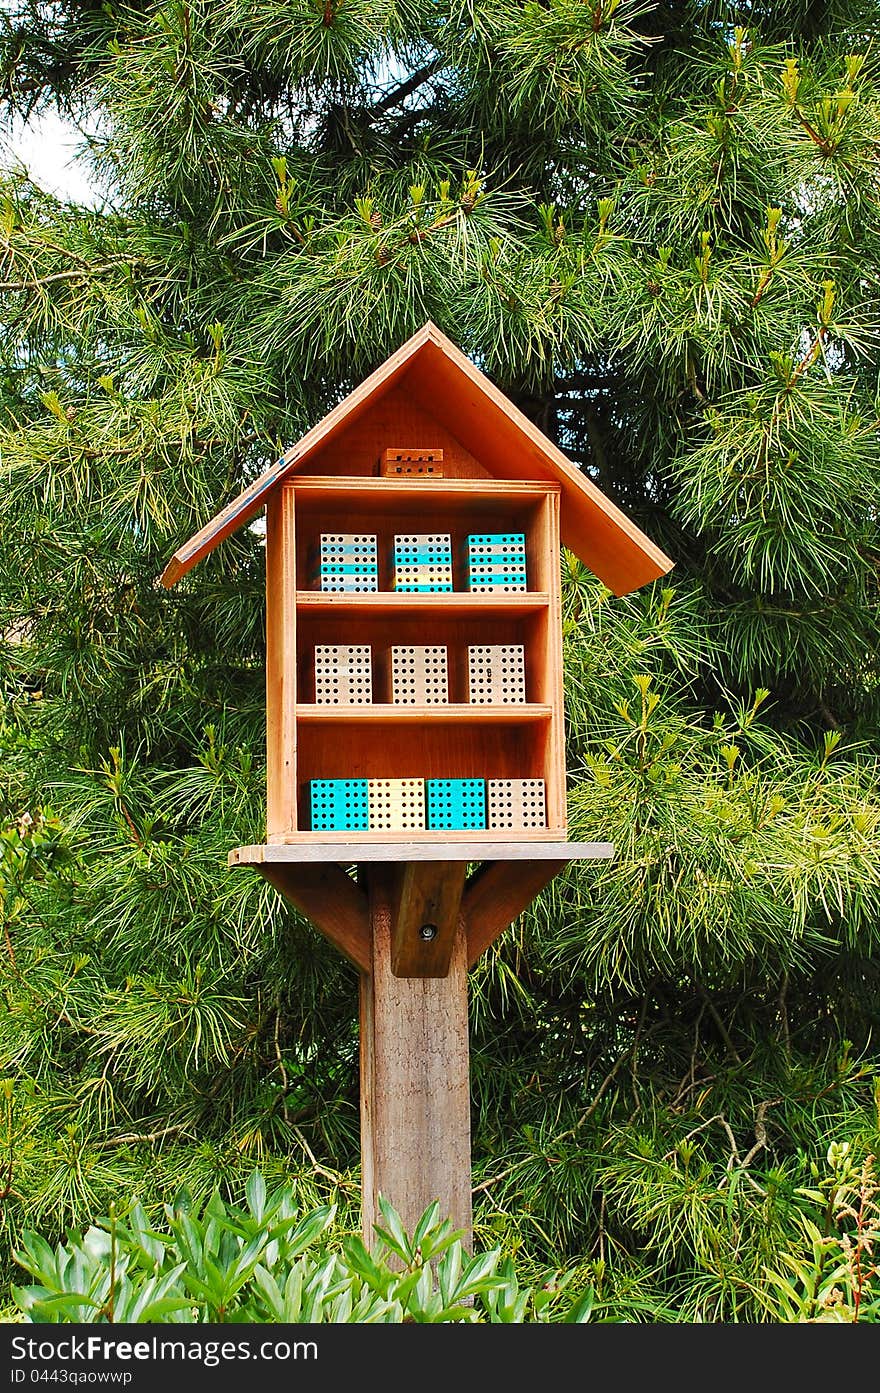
(415, 1080)
(414, 1055)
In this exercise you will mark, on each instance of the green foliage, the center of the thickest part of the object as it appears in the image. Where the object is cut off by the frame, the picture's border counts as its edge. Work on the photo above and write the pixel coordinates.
(657, 230)
(266, 1262)
(837, 1277)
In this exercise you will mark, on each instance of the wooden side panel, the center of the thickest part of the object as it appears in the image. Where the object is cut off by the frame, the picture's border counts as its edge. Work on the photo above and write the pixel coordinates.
(429, 897)
(554, 693)
(415, 1084)
(496, 894)
(281, 664)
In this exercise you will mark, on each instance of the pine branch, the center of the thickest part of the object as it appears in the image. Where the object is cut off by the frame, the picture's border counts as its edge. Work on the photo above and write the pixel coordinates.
(405, 89)
(137, 1138)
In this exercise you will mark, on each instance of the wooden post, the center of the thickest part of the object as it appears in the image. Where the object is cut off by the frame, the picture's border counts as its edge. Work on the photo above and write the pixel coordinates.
(414, 1075)
(415, 1084)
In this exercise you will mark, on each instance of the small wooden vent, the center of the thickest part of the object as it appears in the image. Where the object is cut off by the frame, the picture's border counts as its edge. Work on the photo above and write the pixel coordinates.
(396, 463)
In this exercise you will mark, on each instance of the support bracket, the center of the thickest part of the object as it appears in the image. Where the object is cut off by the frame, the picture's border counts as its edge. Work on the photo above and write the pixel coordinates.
(332, 900)
(425, 918)
(429, 891)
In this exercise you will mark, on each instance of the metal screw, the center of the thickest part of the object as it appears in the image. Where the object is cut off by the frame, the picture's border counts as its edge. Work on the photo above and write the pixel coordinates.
(427, 932)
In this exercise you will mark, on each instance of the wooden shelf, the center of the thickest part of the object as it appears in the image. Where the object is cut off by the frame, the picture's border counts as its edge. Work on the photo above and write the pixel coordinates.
(383, 604)
(387, 713)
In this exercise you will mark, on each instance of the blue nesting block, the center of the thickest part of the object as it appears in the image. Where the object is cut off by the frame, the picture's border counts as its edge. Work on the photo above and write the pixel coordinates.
(422, 562)
(496, 560)
(339, 805)
(455, 803)
(346, 561)
(495, 576)
(491, 545)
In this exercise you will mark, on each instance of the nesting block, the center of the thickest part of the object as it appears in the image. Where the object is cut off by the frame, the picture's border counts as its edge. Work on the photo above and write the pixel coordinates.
(343, 674)
(455, 803)
(423, 562)
(396, 805)
(516, 803)
(496, 673)
(339, 805)
(496, 561)
(419, 675)
(396, 464)
(346, 561)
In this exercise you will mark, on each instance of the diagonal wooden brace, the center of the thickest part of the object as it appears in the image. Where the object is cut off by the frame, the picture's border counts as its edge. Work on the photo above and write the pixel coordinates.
(428, 888)
(496, 894)
(331, 899)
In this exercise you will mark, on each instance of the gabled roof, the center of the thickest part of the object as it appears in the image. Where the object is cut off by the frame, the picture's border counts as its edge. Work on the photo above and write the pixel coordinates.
(487, 424)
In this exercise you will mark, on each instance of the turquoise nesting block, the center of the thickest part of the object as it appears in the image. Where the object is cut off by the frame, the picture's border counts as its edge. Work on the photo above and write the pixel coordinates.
(439, 556)
(339, 805)
(455, 803)
(346, 561)
(492, 543)
(414, 548)
(496, 561)
(422, 562)
(482, 583)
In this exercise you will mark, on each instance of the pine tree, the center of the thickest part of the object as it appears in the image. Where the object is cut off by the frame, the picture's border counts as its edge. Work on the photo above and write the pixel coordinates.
(656, 228)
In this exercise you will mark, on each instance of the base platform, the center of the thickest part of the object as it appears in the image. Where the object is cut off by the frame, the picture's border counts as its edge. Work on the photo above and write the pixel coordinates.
(431, 894)
(351, 853)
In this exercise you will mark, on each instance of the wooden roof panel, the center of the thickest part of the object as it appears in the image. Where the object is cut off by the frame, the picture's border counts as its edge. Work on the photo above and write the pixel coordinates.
(510, 446)
(513, 447)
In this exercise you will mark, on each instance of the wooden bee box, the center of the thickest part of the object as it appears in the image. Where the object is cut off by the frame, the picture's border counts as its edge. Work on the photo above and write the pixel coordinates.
(413, 560)
(496, 673)
(419, 674)
(414, 792)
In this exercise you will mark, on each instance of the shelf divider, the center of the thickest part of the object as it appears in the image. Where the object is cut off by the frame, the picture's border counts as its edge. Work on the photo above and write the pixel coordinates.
(458, 603)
